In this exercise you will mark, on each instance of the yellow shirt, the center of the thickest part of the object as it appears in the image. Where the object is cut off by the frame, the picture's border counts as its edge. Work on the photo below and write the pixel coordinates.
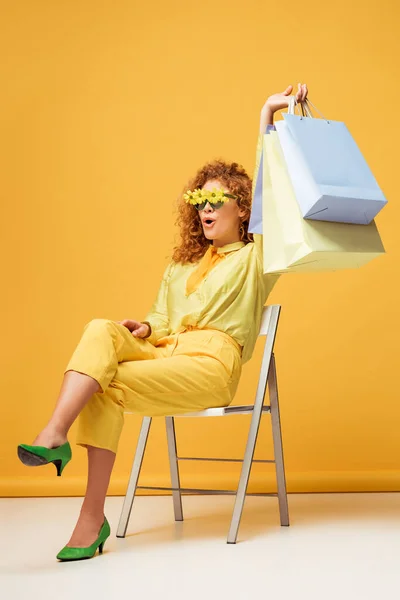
(226, 290)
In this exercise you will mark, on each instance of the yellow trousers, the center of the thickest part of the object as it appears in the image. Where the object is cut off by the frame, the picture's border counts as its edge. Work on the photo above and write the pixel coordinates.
(187, 371)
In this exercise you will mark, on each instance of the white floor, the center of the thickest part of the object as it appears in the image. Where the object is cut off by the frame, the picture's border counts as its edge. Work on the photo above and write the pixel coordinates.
(343, 546)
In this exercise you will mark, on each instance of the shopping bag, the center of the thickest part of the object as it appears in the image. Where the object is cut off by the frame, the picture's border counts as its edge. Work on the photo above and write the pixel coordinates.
(331, 179)
(255, 221)
(294, 244)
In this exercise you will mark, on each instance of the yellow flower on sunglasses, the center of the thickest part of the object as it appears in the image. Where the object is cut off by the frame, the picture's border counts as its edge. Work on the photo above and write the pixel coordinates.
(200, 196)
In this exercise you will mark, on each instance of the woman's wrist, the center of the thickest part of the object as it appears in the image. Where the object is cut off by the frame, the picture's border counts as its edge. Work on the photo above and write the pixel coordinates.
(267, 118)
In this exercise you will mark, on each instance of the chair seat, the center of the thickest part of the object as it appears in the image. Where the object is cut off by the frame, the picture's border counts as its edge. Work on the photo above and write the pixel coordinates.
(221, 411)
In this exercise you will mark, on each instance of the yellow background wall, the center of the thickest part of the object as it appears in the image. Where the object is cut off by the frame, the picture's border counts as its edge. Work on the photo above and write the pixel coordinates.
(107, 108)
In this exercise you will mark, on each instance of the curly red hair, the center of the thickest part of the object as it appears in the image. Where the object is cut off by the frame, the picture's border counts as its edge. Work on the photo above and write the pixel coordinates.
(193, 243)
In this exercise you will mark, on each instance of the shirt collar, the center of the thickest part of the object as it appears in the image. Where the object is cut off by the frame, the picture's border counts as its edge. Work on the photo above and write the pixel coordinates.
(227, 247)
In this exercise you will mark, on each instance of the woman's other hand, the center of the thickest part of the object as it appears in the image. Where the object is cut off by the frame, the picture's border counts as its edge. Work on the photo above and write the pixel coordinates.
(135, 327)
(278, 102)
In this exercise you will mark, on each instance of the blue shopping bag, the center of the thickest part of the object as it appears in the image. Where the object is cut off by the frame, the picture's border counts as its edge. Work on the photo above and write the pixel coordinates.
(331, 179)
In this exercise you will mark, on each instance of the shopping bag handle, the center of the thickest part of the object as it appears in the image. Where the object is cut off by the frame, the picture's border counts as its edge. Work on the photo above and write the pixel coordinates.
(305, 106)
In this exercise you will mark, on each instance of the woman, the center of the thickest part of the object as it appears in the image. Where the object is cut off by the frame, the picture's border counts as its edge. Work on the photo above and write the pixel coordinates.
(188, 352)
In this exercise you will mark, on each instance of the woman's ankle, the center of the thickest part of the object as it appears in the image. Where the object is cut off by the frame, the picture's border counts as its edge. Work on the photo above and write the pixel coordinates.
(91, 513)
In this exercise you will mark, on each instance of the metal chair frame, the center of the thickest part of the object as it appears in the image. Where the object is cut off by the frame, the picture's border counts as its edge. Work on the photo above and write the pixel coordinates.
(269, 325)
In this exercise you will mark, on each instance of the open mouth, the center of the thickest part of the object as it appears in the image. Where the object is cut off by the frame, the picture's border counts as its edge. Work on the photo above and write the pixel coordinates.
(208, 222)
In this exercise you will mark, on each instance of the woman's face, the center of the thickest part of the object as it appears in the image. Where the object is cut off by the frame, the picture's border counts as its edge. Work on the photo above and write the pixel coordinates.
(224, 228)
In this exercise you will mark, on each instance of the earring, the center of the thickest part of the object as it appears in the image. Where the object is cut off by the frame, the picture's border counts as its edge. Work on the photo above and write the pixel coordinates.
(241, 230)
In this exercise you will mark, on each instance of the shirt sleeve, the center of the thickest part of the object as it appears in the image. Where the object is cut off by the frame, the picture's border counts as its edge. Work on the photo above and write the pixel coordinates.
(257, 237)
(158, 316)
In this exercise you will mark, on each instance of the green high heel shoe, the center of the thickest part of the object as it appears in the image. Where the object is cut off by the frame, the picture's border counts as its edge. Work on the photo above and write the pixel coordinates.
(68, 553)
(34, 456)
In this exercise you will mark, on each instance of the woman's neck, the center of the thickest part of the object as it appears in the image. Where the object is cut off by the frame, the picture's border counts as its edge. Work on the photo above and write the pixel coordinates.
(219, 243)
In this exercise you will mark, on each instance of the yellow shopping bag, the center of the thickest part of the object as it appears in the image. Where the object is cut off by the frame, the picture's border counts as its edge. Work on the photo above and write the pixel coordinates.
(294, 244)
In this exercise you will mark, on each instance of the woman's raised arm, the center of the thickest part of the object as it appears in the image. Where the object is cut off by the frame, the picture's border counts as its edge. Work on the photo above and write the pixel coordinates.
(272, 105)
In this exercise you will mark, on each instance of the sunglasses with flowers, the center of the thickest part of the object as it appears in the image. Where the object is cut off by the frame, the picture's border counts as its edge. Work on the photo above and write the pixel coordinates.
(199, 198)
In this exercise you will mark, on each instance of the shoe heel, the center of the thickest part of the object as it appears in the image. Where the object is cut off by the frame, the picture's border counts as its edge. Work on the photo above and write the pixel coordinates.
(60, 464)
(101, 548)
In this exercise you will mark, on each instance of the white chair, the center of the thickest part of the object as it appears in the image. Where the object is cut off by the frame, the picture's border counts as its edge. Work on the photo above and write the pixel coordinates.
(269, 325)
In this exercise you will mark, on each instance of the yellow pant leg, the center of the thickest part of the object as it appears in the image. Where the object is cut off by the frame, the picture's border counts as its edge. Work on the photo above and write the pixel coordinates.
(173, 385)
(103, 346)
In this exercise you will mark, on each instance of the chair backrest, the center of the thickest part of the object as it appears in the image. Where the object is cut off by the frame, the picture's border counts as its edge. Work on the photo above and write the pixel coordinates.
(268, 327)
(268, 312)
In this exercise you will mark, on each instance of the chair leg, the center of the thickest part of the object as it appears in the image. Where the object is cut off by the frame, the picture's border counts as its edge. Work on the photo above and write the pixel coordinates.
(244, 475)
(174, 467)
(134, 477)
(278, 448)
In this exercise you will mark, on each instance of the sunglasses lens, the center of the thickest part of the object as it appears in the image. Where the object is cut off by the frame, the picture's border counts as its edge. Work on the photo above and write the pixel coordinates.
(218, 204)
(215, 205)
